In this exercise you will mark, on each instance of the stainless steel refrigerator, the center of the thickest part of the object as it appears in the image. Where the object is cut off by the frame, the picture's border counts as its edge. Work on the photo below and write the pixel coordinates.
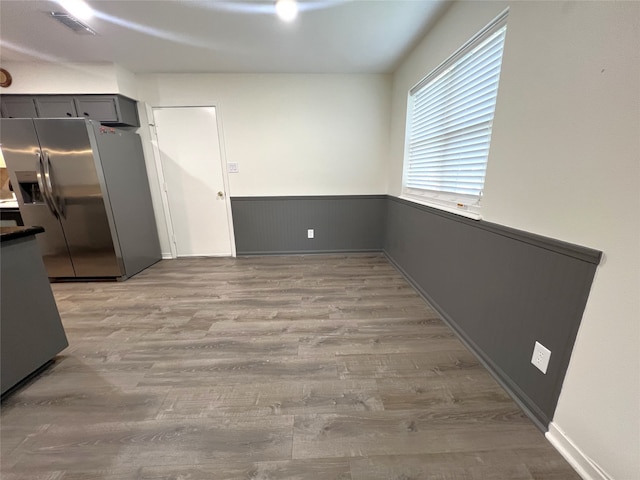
(87, 185)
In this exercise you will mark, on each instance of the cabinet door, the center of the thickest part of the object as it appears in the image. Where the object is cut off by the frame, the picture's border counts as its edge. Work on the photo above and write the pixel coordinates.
(108, 109)
(100, 108)
(56, 106)
(17, 106)
(127, 111)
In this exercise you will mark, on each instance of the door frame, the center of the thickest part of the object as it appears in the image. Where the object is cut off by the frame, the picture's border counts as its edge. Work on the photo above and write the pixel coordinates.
(161, 180)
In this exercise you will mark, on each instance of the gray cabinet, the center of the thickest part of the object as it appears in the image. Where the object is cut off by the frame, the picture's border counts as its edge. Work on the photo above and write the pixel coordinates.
(32, 332)
(17, 106)
(55, 106)
(108, 109)
(115, 110)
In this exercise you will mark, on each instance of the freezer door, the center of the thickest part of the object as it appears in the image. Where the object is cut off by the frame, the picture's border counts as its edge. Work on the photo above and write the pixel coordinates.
(23, 157)
(78, 196)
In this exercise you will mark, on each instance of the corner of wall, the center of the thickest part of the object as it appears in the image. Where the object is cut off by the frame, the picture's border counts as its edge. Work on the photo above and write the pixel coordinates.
(126, 81)
(582, 464)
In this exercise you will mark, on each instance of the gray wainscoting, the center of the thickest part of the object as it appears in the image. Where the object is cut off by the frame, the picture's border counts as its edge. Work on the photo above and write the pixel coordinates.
(501, 290)
(278, 225)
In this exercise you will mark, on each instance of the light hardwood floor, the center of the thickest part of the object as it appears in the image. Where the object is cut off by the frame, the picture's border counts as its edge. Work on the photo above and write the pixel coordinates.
(299, 367)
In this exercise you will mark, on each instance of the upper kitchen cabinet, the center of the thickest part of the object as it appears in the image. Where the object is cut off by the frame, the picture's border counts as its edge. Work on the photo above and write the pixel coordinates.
(108, 109)
(55, 106)
(114, 110)
(17, 106)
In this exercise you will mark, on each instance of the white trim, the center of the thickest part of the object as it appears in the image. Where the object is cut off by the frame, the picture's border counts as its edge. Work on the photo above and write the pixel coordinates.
(153, 135)
(225, 180)
(495, 24)
(451, 209)
(205, 255)
(581, 463)
(167, 256)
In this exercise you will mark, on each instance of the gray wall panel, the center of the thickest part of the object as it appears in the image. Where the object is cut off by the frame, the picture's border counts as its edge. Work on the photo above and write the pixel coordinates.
(499, 288)
(279, 224)
(500, 292)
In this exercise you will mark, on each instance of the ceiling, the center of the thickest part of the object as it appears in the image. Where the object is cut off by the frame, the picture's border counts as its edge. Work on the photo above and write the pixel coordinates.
(222, 36)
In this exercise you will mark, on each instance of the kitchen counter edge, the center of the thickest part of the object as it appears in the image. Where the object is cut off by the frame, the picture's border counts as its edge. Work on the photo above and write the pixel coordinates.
(12, 233)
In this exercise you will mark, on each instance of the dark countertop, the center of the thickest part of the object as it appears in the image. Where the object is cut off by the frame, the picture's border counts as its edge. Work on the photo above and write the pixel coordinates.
(11, 233)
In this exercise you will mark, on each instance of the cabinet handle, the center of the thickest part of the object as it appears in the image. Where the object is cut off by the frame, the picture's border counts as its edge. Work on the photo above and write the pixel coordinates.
(69, 115)
(86, 114)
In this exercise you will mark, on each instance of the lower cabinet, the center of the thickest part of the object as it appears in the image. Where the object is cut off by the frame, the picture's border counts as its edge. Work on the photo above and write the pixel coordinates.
(32, 332)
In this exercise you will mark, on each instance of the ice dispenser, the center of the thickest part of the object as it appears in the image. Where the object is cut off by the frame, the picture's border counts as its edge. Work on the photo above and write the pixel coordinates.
(29, 187)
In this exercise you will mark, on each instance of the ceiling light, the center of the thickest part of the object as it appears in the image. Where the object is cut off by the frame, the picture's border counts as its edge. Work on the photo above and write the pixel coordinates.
(287, 10)
(77, 8)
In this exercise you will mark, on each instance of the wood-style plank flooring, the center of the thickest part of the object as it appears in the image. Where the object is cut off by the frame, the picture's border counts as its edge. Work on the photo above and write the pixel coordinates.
(299, 367)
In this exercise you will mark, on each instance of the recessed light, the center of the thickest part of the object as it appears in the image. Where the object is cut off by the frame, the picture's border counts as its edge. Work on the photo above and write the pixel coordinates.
(287, 10)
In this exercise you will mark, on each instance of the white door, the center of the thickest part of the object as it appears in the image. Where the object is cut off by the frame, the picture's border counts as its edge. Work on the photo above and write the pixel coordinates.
(189, 149)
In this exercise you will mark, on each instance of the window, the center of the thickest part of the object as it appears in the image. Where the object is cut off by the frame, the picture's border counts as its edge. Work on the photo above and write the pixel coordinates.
(450, 115)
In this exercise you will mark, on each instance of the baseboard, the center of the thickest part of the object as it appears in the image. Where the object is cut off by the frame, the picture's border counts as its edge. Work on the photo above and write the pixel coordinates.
(205, 255)
(581, 463)
(167, 256)
(308, 252)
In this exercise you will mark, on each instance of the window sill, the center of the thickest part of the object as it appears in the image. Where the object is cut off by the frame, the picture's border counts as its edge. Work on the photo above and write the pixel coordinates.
(447, 208)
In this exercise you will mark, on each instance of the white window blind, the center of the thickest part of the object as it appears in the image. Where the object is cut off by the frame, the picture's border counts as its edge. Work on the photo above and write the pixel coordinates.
(450, 119)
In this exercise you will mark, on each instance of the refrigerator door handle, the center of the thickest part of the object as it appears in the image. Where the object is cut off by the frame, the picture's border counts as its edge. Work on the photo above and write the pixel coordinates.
(40, 175)
(55, 199)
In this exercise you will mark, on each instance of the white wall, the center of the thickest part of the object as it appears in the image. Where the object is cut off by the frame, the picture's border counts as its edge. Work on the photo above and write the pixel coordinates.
(291, 134)
(72, 78)
(126, 81)
(565, 163)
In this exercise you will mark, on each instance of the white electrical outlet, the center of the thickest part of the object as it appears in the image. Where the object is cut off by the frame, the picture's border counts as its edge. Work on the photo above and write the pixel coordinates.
(540, 358)
(233, 167)
(310, 233)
